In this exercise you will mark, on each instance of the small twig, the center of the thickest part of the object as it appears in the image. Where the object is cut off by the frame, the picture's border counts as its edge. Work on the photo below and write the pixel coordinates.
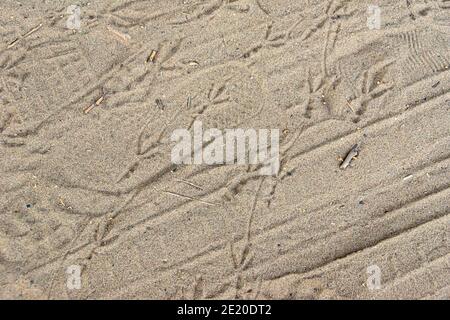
(350, 156)
(408, 177)
(15, 41)
(96, 103)
(32, 31)
(350, 106)
(88, 109)
(99, 100)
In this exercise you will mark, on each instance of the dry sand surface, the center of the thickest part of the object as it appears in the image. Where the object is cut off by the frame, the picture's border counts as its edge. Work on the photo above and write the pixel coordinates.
(87, 180)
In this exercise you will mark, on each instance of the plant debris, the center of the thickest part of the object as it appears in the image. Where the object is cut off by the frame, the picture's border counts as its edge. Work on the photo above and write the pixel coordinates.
(96, 103)
(151, 58)
(352, 154)
(160, 104)
(15, 41)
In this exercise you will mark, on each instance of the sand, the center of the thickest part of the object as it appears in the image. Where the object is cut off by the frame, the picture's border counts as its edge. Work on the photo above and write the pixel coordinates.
(87, 184)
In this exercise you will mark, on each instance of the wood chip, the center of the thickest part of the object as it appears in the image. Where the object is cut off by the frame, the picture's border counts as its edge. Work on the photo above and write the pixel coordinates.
(151, 58)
